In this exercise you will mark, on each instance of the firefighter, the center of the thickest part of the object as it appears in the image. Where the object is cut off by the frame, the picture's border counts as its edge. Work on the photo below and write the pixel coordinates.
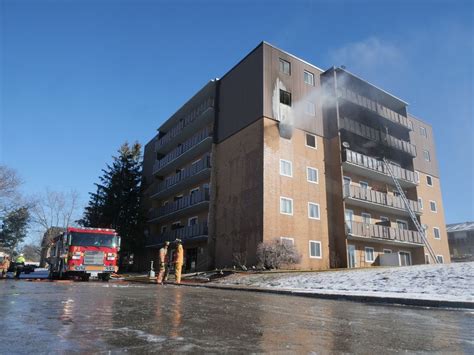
(179, 260)
(163, 260)
(19, 265)
(4, 266)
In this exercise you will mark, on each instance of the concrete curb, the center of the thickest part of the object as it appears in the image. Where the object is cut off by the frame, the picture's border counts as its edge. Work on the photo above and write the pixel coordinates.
(354, 298)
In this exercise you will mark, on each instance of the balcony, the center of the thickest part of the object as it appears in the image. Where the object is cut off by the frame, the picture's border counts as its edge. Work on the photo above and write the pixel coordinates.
(185, 205)
(188, 176)
(375, 232)
(201, 116)
(366, 166)
(196, 232)
(373, 106)
(196, 145)
(377, 136)
(376, 200)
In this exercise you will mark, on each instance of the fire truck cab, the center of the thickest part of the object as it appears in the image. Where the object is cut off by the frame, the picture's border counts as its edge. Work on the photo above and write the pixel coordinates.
(84, 252)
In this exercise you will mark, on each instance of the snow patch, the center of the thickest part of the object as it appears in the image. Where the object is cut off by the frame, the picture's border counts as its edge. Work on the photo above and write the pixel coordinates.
(449, 282)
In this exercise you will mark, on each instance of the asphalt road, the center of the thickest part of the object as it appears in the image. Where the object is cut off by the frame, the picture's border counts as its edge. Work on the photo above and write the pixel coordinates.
(44, 317)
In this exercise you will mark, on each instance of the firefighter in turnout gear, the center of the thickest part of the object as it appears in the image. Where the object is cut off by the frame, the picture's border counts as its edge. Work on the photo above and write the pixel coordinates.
(163, 262)
(179, 260)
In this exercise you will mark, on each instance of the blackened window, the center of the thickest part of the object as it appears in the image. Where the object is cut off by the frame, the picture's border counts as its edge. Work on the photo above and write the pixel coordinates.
(310, 140)
(285, 97)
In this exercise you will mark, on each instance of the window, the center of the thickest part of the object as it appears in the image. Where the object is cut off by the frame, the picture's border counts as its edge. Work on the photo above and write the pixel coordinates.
(402, 224)
(313, 210)
(440, 259)
(426, 155)
(420, 203)
(387, 251)
(285, 67)
(365, 218)
(436, 233)
(163, 229)
(310, 109)
(286, 205)
(312, 175)
(364, 184)
(193, 191)
(369, 255)
(309, 78)
(286, 168)
(423, 132)
(310, 140)
(404, 258)
(433, 206)
(427, 258)
(192, 221)
(384, 221)
(165, 203)
(176, 225)
(287, 240)
(347, 180)
(429, 180)
(314, 249)
(285, 97)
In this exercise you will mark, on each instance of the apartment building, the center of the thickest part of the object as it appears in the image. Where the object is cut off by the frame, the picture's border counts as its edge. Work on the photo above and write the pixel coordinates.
(280, 149)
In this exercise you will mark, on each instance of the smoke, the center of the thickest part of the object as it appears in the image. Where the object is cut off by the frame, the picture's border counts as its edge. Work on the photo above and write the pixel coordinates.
(369, 56)
(304, 110)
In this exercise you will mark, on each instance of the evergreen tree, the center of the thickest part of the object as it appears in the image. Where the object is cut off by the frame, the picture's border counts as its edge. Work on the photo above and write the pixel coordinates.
(116, 203)
(14, 228)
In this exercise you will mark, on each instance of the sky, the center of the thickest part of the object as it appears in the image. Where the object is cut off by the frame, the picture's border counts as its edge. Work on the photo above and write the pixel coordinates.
(79, 78)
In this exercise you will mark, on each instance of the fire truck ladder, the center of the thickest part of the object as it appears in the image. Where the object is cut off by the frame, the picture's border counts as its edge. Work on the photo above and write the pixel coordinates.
(417, 224)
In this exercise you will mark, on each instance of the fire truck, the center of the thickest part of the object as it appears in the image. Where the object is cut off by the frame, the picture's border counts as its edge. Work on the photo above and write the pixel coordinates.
(84, 252)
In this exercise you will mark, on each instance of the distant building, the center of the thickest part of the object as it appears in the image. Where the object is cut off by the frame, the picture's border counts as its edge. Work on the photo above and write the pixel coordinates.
(461, 241)
(279, 149)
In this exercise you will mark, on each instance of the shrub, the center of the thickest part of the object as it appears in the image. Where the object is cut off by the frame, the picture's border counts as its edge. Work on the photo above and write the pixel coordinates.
(275, 254)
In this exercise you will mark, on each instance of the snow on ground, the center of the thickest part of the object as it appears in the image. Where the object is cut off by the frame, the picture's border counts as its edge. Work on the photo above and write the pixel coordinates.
(447, 282)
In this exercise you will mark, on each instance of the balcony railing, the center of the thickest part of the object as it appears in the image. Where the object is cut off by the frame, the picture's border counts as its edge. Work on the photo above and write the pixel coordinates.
(378, 198)
(192, 170)
(375, 135)
(376, 231)
(188, 119)
(183, 233)
(181, 204)
(373, 106)
(182, 148)
(379, 166)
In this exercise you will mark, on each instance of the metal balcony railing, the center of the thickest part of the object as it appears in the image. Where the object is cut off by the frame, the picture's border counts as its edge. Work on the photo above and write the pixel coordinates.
(181, 204)
(188, 119)
(379, 198)
(373, 106)
(378, 166)
(194, 169)
(376, 231)
(375, 135)
(182, 148)
(183, 233)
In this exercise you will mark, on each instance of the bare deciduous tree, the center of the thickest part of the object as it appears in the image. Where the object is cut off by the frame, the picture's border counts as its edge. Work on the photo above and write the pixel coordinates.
(54, 209)
(9, 183)
(51, 213)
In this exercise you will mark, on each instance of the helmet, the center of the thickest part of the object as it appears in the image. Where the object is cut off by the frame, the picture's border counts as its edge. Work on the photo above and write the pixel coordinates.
(167, 243)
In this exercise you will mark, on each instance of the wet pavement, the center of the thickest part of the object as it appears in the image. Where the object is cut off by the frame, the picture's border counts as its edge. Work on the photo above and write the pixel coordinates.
(44, 317)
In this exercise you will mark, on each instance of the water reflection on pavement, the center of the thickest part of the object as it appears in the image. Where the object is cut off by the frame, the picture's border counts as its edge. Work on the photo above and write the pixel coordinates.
(40, 317)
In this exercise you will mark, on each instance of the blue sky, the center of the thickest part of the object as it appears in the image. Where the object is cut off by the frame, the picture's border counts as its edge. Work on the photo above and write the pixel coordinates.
(78, 78)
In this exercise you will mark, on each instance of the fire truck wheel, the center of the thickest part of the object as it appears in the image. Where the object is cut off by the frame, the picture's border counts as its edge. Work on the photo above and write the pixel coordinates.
(85, 277)
(105, 277)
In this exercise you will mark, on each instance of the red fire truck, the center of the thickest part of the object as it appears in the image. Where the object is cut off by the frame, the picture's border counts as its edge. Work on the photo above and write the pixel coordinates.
(84, 252)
